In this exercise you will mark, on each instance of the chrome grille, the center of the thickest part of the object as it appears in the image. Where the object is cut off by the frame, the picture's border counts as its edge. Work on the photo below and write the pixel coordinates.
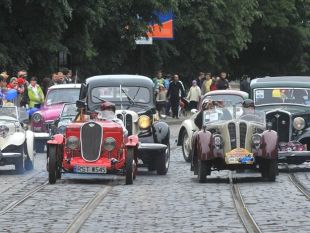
(232, 135)
(242, 128)
(91, 141)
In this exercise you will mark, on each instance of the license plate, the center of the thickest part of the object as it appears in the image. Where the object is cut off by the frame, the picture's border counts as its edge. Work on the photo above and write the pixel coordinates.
(239, 156)
(87, 169)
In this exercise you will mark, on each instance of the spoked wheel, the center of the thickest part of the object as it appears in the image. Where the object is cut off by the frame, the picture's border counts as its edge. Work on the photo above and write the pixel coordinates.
(186, 146)
(129, 167)
(163, 161)
(52, 164)
(203, 170)
(19, 162)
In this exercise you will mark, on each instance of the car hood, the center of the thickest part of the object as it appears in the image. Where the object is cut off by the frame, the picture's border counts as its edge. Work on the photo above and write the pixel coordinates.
(293, 109)
(51, 112)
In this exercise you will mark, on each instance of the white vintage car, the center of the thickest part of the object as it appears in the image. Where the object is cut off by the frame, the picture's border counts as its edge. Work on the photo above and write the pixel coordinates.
(188, 126)
(16, 141)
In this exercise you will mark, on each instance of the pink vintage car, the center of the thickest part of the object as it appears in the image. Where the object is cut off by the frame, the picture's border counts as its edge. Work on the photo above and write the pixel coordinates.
(56, 97)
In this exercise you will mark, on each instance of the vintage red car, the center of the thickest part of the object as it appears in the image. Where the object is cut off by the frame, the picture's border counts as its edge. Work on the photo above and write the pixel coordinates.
(95, 145)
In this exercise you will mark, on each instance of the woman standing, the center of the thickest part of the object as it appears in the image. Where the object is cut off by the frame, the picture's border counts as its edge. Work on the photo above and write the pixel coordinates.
(161, 100)
(194, 95)
(35, 94)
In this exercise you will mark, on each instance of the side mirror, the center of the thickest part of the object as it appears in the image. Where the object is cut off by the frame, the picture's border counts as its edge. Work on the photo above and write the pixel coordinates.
(193, 111)
(80, 104)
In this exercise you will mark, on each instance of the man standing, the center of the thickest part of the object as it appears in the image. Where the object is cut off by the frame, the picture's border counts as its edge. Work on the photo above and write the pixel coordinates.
(206, 84)
(200, 79)
(245, 84)
(222, 83)
(158, 80)
(175, 88)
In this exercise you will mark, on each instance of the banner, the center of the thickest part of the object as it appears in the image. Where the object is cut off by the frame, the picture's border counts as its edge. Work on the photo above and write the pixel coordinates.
(164, 29)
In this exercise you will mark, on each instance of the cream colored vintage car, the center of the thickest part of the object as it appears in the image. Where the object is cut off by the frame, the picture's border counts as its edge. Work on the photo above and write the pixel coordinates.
(188, 126)
(16, 141)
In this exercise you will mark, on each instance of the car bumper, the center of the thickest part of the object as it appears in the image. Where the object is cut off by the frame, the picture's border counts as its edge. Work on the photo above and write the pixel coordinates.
(151, 147)
(9, 155)
(42, 136)
(291, 155)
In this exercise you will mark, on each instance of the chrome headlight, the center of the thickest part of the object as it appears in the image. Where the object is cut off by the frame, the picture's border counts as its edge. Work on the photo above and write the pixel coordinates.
(256, 139)
(109, 144)
(61, 129)
(144, 122)
(4, 130)
(299, 123)
(73, 142)
(37, 117)
(217, 140)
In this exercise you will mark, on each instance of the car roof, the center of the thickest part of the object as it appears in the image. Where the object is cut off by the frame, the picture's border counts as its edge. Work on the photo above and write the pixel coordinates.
(281, 81)
(243, 94)
(120, 79)
(66, 86)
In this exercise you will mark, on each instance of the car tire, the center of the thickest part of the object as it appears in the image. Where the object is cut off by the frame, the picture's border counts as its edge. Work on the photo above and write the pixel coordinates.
(186, 152)
(272, 170)
(28, 164)
(58, 173)
(52, 164)
(19, 162)
(163, 161)
(203, 170)
(40, 146)
(129, 167)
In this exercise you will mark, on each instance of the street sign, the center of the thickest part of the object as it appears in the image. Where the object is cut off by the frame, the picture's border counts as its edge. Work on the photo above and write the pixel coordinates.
(144, 41)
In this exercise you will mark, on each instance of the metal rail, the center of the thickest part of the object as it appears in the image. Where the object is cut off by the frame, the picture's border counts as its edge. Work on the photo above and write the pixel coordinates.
(87, 209)
(296, 182)
(15, 203)
(246, 218)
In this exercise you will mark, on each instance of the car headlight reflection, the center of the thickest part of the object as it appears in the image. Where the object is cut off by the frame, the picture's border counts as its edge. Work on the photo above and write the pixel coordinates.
(299, 123)
(256, 139)
(109, 144)
(4, 130)
(36, 117)
(73, 142)
(144, 122)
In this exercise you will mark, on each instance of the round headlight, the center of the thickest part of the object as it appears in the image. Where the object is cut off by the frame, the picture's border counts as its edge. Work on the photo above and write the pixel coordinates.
(256, 139)
(109, 144)
(144, 122)
(217, 140)
(61, 129)
(37, 117)
(4, 130)
(299, 123)
(73, 142)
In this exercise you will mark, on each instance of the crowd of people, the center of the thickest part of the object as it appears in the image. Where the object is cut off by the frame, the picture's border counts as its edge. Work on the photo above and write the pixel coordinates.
(24, 91)
(171, 96)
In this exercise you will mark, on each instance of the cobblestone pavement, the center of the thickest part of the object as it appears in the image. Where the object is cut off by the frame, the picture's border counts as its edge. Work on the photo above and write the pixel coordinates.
(172, 203)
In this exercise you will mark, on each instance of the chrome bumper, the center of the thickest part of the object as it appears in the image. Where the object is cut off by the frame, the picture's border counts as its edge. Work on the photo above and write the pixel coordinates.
(151, 146)
(282, 155)
(42, 136)
(10, 155)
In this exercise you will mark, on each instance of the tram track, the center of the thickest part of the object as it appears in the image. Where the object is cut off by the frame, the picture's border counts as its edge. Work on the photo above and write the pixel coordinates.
(19, 201)
(298, 184)
(244, 214)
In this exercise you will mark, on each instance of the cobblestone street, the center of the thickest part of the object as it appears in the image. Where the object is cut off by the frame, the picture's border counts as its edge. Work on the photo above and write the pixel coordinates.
(172, 203)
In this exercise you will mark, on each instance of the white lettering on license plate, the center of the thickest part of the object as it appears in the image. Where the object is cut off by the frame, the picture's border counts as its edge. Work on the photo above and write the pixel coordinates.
(86, 169)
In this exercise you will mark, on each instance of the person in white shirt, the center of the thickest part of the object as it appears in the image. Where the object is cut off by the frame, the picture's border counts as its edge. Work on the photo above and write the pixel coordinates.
(194, 95)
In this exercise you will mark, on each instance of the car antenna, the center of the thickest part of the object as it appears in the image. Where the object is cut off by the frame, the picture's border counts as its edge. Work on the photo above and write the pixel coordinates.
(120, 95)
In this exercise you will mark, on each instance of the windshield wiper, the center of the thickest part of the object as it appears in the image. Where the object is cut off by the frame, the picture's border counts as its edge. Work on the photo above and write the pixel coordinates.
(102, 100)
(136, 93)
(131, 101)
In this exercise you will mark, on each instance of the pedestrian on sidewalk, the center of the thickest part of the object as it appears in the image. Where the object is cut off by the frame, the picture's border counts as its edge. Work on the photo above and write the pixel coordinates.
(35, 94)
(206, 84)
(161, 100)
(194, 95)
(222, 83)
(173, 94)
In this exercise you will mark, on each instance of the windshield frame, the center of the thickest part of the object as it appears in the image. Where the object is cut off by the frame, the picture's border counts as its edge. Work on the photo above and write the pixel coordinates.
(10, 107)
(207, 97)
(283, 103)
(62, 89)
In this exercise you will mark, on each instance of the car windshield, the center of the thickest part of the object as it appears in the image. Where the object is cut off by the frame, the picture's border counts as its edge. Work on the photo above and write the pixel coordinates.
(62, 95)
(8, 113)
(236, 113)
(69, 110)
(289, 96)
(229, 99)
(126, 94)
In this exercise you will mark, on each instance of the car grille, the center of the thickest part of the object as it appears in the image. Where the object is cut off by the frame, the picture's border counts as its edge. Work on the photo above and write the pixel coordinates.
(280, 123)
(242, 128)
(232, 135)
(91, 141)
(127, 120)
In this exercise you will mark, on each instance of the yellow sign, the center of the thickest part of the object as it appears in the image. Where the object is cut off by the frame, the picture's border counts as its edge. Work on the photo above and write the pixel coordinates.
(239, 156)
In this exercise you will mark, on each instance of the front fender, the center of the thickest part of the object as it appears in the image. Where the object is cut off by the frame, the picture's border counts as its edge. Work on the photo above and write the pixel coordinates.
(57, 139)
(202, 143)
(15, 139)
(190, 127)
(133, 141)
(269, 145)
(161, 132)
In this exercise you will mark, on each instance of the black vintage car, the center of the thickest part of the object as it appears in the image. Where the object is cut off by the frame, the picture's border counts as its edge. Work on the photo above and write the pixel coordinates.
(133, 96)
(286, 102)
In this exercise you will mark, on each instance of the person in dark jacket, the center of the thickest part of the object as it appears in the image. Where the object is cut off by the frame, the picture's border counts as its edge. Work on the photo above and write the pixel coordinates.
(245, 84)
(174, 93)
(222, 83)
